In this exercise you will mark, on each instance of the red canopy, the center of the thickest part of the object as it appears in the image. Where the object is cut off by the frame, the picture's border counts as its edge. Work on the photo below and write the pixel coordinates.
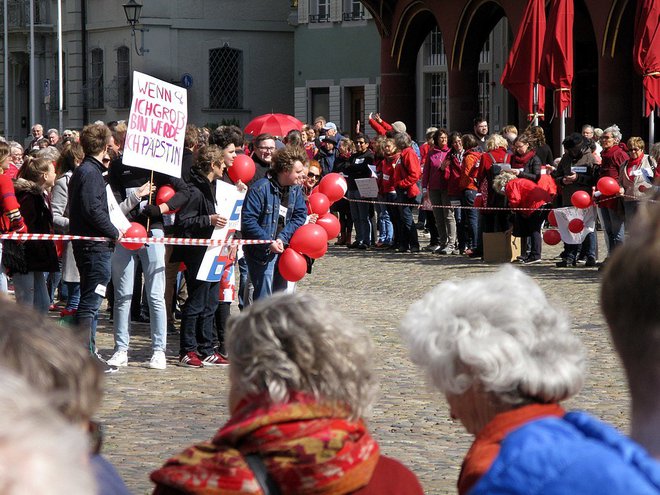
(522, 69)
(277, 124)
(646, 52)
(557, 63)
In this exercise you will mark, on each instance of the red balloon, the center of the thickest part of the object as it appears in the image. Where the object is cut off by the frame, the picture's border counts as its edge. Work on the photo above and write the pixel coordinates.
(333, 186)
(479, 201)
(309, 239)
(164, 194)
(608, 186)
(552, 220)
(331, 225)
(320, 253)
(576, 225)
(552, 237)
(319, 204)
(135, 230)
(242, 169)
(581, 199)
(291, 265)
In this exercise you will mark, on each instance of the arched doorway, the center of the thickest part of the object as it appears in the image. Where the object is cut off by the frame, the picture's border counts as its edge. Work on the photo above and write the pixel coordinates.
(585, 72)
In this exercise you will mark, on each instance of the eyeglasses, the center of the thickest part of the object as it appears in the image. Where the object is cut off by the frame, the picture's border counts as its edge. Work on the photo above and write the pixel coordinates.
(312, 175)
(267, 148)
(606, 138)
(360, 142)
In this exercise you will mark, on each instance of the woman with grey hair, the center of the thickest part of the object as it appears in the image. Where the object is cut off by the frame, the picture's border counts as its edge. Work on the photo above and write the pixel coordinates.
(504, 368)
(301, 378)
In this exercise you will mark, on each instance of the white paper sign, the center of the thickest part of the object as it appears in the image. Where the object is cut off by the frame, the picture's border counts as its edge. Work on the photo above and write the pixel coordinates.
(368, 187)
(229, 205)
(156, 125)
(117, 217)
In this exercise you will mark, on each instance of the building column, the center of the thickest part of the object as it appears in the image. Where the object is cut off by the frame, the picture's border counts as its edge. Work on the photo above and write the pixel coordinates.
(300, 104)
(397, 90)
(334, 114)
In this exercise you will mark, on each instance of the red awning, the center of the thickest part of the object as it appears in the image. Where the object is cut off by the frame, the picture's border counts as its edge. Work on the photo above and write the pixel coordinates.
(557, 63)
(522, 69)
(646, 52)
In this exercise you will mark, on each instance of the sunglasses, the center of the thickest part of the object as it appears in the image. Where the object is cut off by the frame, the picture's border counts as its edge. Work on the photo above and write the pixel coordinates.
(313, 175)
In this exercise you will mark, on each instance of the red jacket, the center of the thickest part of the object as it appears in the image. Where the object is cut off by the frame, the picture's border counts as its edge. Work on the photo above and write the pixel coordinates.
(10, 214)
(380, 127)
(524, 193)
(408, 172)
(454, 165)
(470, 170)
(385, 170)
(391, 477)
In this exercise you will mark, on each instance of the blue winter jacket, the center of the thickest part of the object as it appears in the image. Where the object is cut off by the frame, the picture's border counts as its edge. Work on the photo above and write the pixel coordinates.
(576, 454)
(260, 214)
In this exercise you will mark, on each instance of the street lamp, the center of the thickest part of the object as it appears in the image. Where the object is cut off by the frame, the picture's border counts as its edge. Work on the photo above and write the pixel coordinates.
(132, 10)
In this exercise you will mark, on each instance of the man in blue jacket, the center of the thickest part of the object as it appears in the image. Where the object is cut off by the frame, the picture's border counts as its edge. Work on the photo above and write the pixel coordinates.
(89, 216)
(274, 208)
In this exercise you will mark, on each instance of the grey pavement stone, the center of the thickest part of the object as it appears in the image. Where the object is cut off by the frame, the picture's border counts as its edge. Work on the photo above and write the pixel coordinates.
(149, 415)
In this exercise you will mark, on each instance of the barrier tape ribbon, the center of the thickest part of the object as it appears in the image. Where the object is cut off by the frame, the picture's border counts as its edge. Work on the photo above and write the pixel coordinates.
(144, 240)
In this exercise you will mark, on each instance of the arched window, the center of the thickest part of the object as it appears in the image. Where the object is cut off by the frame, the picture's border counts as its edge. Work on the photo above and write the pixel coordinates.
(123, 77)
(96, 79)
(225, 78)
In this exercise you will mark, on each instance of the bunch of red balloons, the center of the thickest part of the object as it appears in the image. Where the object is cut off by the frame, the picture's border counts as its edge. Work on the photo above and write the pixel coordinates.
(312, 239)
(242, 169)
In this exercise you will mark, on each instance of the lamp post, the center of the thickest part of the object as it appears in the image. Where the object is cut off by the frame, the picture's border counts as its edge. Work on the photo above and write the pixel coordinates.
(132, 10)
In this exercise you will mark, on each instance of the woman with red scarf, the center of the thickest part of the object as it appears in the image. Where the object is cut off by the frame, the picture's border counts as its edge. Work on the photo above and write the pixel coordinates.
(453, 165)
(388, 220)
(301, 379)
(636, 177)
(611, 210)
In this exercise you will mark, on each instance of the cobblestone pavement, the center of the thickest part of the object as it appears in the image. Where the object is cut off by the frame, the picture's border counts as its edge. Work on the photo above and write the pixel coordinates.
(149, 415)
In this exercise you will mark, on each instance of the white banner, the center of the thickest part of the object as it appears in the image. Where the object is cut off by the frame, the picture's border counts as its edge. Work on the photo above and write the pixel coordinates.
(229, 205)
(565, 215)
(156, 125)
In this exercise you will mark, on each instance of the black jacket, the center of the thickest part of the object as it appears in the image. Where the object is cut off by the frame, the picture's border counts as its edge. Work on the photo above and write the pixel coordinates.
(358, 168)
(88, 206)
(41, 256)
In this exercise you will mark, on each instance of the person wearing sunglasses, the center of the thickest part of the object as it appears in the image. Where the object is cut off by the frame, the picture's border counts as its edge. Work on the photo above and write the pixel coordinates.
(636, 177)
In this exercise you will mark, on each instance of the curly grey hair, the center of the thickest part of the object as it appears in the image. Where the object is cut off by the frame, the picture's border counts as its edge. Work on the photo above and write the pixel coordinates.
(615, 131)
(297, 342)
(501, 180)
(497, 331)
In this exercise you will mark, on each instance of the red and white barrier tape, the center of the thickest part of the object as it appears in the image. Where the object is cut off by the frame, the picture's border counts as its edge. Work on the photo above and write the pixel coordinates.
(176, 241)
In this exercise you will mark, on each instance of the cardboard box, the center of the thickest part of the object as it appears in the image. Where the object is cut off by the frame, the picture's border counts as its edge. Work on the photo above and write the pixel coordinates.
(500, 247)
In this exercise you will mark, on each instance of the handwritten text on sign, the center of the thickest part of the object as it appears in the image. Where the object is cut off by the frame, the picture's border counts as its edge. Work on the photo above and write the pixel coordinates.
(156, 126)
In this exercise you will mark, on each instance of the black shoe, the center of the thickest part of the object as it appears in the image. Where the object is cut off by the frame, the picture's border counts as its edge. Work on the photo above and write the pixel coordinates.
(564, 263)
(414, 249)
(353, 246)
(532, 261)
(141, 318)
(591, 262)
(361, 246)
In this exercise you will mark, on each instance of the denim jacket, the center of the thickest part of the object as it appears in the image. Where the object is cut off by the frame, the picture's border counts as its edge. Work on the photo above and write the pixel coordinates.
(260, 214)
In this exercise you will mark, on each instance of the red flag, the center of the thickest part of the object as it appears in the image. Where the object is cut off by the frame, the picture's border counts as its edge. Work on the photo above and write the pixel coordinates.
(522, 69)
(557, 62)
(646, 52)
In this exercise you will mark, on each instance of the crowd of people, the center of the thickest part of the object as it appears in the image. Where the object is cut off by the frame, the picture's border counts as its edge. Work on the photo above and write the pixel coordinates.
(295, 379)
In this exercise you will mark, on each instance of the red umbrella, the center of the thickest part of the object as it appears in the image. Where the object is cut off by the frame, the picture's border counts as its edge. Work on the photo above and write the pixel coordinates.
(277, 124)
(646, 53)
(521, 73)
(557, 66)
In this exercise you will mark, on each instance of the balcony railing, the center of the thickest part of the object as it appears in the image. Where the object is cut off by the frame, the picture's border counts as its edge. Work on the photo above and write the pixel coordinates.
(354, 16)
(18, 13)
(319, 18)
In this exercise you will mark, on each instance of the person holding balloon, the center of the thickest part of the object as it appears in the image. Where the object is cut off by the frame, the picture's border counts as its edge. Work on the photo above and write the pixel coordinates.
(614, 156)
(576, 172)
(274, 208)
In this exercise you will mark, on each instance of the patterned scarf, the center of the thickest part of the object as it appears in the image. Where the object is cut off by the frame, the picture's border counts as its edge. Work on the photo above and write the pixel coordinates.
(307, 447)
(519, 161)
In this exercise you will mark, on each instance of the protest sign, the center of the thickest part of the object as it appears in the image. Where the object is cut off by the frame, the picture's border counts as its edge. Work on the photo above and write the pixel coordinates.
(229, 202)
(368, 188)
(156, 125)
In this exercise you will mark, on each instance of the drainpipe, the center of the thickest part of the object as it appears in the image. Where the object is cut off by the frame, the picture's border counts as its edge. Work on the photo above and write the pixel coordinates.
(83, 30)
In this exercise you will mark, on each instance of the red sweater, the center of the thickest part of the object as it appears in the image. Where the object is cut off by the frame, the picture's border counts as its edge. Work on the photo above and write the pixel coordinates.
(385, 170)
(408, 172)
(11, 219)
(524, 193)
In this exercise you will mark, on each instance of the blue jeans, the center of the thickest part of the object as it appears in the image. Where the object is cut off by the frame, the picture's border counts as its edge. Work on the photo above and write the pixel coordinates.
(265, 277)
(360, 215)
(152, 257)
(385, 227)
(73, 294)
(407, 227)
(470, 220)
(613, 223)
(198, 313)
(94, 269)
(30, 289)
(54, 279)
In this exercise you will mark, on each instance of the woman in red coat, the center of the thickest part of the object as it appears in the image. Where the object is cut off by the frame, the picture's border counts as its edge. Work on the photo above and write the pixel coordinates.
(468, 184)
(406, 175)
(614, 156)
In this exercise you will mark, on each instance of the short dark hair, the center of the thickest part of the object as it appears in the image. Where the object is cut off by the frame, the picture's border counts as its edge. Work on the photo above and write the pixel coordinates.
(360, 135)
(206, 157)
(437, 134)
(469, 141)
(263, 137)
(191, 137)
(575, 139)
(225, 135)
(94, 138)
(478, 119)
(284, 158)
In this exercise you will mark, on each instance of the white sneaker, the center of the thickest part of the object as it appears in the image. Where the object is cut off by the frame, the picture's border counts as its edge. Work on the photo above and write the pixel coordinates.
(119, 358)
(158, 361)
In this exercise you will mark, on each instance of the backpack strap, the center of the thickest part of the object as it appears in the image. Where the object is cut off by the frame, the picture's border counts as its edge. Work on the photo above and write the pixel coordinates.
(267, 484)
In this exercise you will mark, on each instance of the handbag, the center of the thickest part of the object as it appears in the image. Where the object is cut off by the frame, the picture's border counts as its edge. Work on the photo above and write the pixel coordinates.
(13, 257)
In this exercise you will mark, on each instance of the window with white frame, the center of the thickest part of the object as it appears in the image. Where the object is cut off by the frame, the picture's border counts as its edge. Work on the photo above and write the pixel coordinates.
(434, 67)
(123, 77)
(225, 78)
(319, 10)
(96, 79)
(353, 10)
(484, 93)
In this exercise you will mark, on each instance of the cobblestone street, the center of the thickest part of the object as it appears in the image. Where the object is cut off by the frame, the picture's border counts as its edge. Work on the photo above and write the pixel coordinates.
(149, 415)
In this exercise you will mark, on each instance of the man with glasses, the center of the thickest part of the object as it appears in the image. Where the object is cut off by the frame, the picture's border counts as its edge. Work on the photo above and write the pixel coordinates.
(264, 147)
